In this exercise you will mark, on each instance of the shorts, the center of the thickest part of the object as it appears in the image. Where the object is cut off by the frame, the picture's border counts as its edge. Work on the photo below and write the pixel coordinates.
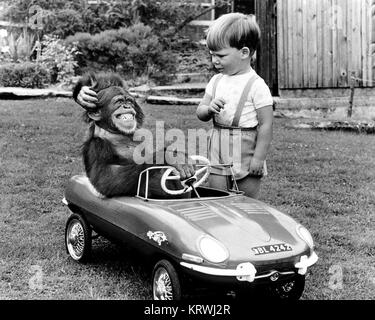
(232, 146)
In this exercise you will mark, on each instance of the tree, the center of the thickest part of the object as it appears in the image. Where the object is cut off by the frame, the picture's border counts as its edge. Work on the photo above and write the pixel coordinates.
(65, 17)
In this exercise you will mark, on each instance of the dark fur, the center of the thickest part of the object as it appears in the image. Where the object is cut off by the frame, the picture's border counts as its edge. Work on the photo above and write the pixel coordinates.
(111, 174)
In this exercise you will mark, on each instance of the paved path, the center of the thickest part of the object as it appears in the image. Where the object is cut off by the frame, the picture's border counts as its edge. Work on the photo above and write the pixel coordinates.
(26, 93)
(328, 107)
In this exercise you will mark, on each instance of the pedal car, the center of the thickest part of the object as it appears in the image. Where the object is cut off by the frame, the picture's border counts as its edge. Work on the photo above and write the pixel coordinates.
(218, 237)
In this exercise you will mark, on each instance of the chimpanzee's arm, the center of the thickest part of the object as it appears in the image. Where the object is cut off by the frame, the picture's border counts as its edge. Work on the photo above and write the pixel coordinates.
(104, 171)
(114, 176)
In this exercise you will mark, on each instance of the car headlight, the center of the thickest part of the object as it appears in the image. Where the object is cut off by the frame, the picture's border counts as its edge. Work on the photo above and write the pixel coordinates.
(212, 250)
(305, 235)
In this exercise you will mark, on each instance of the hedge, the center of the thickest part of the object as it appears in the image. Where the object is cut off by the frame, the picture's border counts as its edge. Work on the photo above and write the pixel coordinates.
(26, 75)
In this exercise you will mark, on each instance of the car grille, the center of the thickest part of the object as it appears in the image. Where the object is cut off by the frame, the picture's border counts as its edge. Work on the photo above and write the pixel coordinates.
(281, 266)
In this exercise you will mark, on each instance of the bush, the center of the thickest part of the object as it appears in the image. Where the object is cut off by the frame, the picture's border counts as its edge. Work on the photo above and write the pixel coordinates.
(94, 20)
(59, 59)
(26, 75)
(135, 51)
(63, 23)
(66, 17)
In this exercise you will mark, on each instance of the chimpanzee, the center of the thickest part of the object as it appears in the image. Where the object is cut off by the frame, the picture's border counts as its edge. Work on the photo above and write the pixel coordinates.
(109, 149)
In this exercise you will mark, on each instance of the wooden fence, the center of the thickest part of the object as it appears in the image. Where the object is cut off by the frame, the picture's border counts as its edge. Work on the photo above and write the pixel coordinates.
(321, 43)
(266, 63)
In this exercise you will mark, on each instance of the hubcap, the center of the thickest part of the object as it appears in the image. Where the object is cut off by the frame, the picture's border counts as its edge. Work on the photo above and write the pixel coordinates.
(275, 276)
(162, 288)
(75, 240)
(288, 286)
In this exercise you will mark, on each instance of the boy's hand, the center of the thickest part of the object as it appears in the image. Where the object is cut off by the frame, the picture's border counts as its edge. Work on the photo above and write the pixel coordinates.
(256, 167)
(87, 98)
(215, 106)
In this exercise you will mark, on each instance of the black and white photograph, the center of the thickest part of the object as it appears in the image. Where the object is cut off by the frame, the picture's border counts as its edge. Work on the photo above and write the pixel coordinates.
(218, 153)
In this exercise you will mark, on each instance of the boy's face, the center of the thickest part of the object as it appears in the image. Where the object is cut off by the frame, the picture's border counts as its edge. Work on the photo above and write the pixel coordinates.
(231, 61)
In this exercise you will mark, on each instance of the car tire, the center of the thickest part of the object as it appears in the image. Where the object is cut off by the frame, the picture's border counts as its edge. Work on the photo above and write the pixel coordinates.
(78, 238)
(291, 289)
(165, 282)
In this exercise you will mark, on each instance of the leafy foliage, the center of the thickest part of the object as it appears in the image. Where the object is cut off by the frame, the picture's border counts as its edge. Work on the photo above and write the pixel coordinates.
(18, 11)
(20, 47)
(134, 37)
(26, 75)
(64, 23)
(59, 59)
(133, 51)
(64, 18)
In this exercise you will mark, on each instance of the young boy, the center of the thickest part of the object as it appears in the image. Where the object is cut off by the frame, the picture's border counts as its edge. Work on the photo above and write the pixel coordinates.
(238, 101)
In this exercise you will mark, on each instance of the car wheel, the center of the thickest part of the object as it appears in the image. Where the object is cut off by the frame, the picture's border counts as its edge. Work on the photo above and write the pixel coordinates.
(165, 282)
(291, 289)
(78, 238)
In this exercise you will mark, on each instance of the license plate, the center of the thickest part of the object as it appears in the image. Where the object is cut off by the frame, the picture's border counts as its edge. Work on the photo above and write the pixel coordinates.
(274, 248)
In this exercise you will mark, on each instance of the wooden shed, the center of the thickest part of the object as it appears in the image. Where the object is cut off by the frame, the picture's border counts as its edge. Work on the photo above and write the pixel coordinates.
(313, 44)
(323, 43)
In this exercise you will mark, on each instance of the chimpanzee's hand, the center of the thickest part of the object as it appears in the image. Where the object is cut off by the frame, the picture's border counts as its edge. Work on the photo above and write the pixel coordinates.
(87, 98)
(185, 171)
(180, 161)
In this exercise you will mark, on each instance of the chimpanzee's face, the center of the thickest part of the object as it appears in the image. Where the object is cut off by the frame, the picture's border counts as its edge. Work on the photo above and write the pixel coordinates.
(122, 114)
(117, 111)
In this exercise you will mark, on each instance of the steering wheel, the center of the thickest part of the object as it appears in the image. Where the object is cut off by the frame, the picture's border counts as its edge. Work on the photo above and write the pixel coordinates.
(190, 183)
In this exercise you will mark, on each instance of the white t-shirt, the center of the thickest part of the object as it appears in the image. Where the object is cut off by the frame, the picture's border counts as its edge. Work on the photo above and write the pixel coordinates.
(230, 88)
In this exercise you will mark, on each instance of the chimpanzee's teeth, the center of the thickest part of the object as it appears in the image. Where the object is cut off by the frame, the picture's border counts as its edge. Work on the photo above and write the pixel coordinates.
(127, 116)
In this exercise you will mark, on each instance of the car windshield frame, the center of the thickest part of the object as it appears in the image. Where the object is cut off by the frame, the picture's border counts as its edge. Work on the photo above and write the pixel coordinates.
(146, 172)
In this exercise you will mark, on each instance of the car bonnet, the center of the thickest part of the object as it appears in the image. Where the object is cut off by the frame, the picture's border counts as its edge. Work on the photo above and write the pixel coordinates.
(236, 220)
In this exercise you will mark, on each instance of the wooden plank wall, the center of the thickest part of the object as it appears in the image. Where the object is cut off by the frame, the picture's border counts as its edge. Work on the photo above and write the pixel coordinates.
(321, 42)
(266, 62)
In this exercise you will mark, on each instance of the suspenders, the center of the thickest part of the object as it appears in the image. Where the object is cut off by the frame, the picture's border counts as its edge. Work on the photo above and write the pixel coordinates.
(241, 103)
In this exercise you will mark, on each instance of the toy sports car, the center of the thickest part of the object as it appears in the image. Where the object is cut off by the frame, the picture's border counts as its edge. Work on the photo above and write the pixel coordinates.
(219, 237)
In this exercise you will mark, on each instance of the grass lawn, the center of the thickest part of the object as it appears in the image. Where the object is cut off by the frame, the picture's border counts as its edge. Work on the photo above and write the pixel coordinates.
(325, 180)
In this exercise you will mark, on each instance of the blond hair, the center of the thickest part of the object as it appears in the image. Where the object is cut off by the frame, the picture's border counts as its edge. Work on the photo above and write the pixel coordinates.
(236, 30)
